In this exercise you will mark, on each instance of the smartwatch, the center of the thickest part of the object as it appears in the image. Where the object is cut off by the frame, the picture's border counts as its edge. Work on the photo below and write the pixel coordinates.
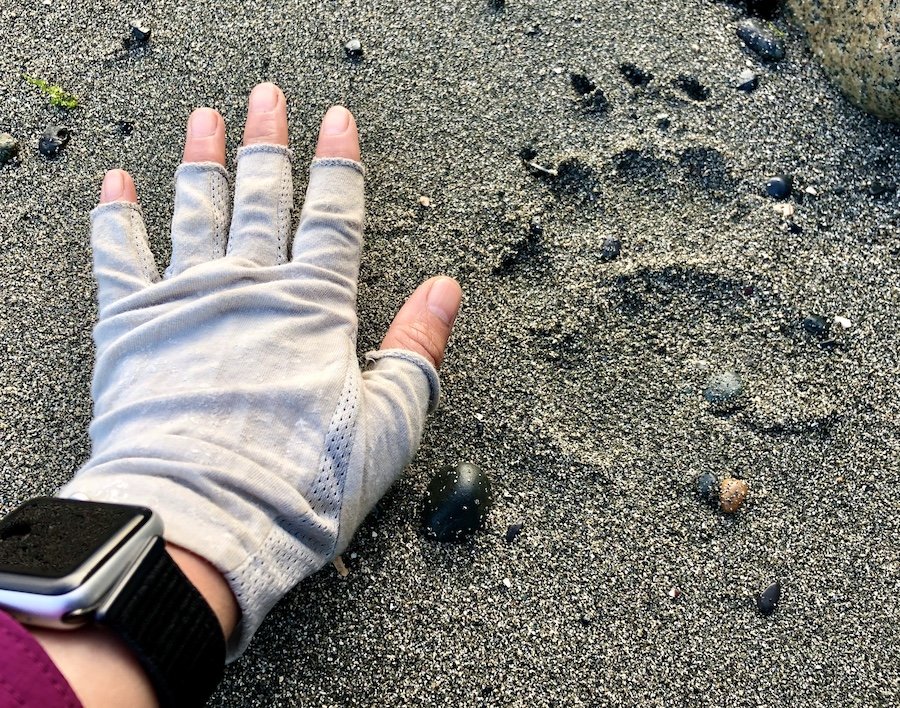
(66, 563)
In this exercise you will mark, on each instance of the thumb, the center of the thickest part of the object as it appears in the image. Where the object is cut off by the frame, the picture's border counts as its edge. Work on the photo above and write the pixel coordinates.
(424, 322)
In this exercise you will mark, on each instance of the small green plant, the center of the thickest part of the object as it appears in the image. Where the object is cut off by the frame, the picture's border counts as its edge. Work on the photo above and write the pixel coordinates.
(58, 95)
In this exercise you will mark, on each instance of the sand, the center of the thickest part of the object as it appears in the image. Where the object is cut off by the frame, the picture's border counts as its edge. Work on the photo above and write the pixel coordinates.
(576, 383)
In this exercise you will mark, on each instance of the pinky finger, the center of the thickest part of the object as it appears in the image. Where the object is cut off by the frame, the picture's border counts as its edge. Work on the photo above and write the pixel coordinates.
(118, 187)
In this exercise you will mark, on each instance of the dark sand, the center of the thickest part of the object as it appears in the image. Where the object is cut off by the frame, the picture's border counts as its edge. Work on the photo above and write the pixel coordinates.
(577, 384)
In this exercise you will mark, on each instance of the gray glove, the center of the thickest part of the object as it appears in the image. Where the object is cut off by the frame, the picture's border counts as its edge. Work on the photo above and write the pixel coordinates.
(228, 395)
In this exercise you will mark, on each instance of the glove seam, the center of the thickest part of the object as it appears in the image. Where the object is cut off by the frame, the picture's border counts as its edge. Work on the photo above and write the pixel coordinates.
(265, 148)
(425, 366)
(338, 162)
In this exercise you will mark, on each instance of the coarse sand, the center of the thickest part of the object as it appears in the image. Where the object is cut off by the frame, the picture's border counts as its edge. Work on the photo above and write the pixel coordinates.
(576, 381)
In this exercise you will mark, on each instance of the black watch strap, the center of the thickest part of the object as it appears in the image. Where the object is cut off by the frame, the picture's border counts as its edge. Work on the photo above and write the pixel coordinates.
(171, 629)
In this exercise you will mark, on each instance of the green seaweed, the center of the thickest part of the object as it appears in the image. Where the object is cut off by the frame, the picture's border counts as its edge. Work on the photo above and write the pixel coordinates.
(58, 95)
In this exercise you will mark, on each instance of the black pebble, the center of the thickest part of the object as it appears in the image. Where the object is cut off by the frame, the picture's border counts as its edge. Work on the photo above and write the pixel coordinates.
(582, 84)
(54, 139)
(513, 531)
(779, 186)
(456, 502)
(747, 81)
(708, 488)
(757, 38)
(611, 249)
(124, 127)
(692, 87)
(497, 5)
(9, 148)
(795, 229)
(767, 600)
(816, 325)
(635, 75)
(354, 51)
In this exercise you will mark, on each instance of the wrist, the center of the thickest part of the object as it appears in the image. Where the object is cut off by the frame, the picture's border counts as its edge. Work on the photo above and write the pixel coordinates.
(209, 582)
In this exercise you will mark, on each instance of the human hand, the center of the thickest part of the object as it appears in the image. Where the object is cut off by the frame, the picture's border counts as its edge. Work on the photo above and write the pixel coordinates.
(227, 394)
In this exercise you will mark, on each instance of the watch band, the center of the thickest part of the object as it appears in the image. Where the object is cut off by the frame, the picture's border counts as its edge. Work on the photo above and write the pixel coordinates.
(171, 629)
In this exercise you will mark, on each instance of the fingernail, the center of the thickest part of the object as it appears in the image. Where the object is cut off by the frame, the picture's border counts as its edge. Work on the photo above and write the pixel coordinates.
(336, 121)
(263, 98)
(113, 186)
(443, 299)
(203, 123)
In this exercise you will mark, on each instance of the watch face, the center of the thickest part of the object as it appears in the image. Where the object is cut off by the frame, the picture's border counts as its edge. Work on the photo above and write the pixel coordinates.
(49, 539)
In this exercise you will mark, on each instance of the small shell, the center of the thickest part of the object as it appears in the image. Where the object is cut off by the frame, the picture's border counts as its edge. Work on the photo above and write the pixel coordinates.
(732, 493)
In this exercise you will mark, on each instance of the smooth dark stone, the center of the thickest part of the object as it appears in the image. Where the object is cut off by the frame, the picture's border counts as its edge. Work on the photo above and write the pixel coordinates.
(635, 75)
(692, 87)
(723, 387)
(760, 40)
(582, 84)
(795, 229)
(747, 81)
(354, 51)
(513, 531)
(767, 600)
(456, 502)
(124, 127)
(816, 325)
(708, 488)
(779, 186)
(9, 148)
(54, 139)
(611, 249)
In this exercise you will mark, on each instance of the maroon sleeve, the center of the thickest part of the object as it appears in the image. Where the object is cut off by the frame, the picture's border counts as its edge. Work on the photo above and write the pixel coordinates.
(27, 676)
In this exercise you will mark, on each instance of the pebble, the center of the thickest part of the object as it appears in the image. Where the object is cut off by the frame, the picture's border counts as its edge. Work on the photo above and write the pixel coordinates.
(354, 51)
(513, 531)
(842, 322)
(424, 201)
(779, 186)
(708, 487)
(635, 75)
(124, 127)
(760, 40)
(747, 81)
(54, 139)
(732, 493)
(692, 87)
(723, 387)
(140, 33)
(456, 502)
(9, 148)
(767, 601)
(611, 248)
(816, 325)
(507, 583)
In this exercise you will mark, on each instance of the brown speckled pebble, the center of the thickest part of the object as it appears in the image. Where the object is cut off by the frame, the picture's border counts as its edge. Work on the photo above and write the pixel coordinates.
(732, 493)
(858, 43)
